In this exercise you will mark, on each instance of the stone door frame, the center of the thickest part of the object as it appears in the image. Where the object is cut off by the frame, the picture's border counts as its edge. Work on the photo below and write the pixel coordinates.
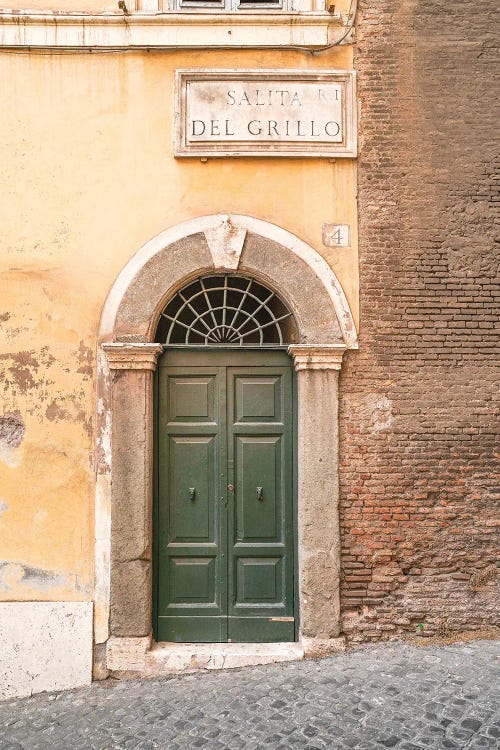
(127, 359)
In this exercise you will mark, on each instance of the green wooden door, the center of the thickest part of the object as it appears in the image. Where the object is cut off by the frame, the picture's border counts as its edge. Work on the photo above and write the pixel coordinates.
(224, 506)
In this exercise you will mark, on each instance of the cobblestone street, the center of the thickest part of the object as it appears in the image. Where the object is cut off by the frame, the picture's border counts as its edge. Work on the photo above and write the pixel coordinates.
(392, 696)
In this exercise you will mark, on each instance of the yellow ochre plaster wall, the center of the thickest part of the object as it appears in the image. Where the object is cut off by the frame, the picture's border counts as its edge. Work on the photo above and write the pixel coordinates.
(88, 176)
(66, 6)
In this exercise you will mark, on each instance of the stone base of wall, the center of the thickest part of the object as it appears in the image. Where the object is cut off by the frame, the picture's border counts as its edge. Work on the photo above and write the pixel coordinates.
(44, 646)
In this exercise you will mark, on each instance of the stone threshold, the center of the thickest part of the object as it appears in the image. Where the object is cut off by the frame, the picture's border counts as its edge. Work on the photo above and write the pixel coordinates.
(134, 657)
(142, 657)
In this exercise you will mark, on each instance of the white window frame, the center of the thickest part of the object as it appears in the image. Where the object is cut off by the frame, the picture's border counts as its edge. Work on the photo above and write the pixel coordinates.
(224, 6)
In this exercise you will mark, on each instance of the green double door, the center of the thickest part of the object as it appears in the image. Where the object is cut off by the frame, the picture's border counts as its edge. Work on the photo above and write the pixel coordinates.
(224, 506)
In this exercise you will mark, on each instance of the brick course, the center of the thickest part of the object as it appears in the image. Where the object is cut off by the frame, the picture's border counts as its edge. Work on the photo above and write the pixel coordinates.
(419, 400)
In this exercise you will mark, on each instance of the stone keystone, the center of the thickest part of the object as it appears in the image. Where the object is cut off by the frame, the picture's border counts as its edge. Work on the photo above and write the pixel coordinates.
(225, 241)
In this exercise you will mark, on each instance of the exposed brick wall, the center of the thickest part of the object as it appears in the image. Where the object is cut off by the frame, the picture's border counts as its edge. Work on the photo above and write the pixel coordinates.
(418, 399)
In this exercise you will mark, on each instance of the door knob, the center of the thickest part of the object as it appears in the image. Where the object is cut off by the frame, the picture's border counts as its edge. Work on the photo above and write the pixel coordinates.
(260, 493)
(192, 493)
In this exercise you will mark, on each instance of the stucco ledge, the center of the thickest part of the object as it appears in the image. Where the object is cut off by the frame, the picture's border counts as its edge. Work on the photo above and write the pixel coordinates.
(311, 29)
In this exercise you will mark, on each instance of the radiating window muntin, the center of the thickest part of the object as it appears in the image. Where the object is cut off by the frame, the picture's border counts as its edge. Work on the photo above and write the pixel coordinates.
(226, 310)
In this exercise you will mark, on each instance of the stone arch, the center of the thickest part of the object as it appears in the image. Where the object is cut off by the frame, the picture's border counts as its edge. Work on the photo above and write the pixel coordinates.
(126, 361)
(222, 242)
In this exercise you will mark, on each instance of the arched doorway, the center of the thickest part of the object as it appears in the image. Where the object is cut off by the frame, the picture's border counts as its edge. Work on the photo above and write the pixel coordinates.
(224, 521)
(303, 282)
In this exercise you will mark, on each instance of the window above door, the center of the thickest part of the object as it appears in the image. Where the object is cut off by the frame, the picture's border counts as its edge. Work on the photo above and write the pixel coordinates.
(229, 5)
(226, 310)
(235, 6)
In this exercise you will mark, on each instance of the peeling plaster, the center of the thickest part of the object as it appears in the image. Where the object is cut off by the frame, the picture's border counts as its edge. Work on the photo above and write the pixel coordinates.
(32, 377)
(106, 438)
(12, 431)
(16, 573)
(22, 370)
(27, 372)
(85, 358)
(103, 420)
(102, 557)
(54, 412)
(377, 411)
(382, 417)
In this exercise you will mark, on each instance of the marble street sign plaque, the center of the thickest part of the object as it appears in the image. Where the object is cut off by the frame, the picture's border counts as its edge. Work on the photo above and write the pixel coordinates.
(265, 113)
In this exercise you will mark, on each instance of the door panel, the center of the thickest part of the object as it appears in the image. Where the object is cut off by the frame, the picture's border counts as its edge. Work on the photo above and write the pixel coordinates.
(225, 497)
(260, 447)
(257, 399)
(191, 580)
(192, 461)
(192, 399)
(258, 579)
(258, 494)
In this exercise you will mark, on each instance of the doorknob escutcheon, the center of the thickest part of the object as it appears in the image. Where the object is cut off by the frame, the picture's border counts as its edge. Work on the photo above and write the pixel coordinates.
(260, 493)
(192, 493)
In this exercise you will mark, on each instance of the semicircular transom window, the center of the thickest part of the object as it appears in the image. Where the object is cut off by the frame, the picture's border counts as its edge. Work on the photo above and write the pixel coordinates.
(226, 310)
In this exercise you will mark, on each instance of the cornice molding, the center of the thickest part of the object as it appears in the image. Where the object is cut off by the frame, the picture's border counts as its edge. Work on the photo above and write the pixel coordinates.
(317, 357)
(132, 356)
(49, 30)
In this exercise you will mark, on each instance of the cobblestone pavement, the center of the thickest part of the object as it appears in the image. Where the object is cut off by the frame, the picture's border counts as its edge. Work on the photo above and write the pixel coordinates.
(391, 696)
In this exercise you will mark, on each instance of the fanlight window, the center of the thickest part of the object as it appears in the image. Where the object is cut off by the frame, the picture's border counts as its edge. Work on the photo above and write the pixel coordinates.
(226, 310)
